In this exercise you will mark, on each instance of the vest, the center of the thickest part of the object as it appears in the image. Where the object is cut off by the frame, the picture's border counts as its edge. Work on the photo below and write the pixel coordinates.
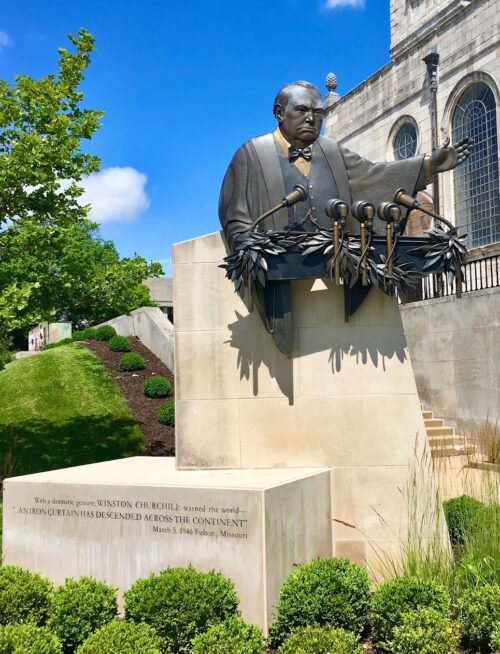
(320, 188)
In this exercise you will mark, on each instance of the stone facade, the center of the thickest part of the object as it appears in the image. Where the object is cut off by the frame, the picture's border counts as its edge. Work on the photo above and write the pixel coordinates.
(467, 38)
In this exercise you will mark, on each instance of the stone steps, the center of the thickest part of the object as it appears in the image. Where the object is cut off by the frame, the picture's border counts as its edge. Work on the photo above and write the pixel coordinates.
(440, 431)
(442, 439)
(433, 422)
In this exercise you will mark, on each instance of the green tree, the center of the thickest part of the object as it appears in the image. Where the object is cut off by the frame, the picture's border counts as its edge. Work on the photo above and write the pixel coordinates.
(42, 125)
(72, 272)
(52, 262)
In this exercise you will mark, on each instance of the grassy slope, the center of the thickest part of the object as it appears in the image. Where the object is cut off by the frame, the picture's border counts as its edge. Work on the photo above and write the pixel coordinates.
(61, 408)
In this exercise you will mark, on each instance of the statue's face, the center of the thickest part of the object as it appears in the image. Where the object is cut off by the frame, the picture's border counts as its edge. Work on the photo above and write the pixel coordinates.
(300, 121)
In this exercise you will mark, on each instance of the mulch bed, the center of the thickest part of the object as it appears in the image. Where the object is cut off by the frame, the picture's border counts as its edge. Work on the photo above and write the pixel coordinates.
(159, 439)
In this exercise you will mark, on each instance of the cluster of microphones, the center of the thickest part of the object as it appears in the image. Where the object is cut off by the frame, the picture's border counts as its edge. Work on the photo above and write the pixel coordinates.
(364, 212)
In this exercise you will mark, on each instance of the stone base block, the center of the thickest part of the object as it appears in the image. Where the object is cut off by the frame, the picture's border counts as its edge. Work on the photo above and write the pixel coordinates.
(122, 520)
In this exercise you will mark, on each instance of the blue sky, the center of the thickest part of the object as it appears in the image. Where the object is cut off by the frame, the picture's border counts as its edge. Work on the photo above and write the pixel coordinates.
(183, 84)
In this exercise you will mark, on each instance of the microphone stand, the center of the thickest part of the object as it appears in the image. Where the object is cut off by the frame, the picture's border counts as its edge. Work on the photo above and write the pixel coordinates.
(338, 211)
(404, 198)
(364, 212)
(296, 195)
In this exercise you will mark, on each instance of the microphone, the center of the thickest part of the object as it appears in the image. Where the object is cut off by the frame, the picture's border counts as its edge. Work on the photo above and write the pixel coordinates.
(405, 199)
(297, 194)
(365, 213)
(338, 211)
(391, 214)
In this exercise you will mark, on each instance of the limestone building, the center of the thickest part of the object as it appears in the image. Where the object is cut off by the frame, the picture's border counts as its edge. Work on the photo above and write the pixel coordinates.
(390, 115)
(442, 80)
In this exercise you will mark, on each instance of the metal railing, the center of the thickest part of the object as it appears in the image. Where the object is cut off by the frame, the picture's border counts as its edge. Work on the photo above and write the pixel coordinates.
(478, 275)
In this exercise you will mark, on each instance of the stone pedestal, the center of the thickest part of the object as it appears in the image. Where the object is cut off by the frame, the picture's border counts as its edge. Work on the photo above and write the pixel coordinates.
(346, 399)
(122, 520)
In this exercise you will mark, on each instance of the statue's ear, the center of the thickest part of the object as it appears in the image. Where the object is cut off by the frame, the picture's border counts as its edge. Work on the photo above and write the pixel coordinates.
(278, 113)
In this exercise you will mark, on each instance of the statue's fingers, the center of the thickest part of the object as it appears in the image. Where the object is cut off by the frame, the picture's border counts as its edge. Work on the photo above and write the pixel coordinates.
(466, 142)
(445, 143)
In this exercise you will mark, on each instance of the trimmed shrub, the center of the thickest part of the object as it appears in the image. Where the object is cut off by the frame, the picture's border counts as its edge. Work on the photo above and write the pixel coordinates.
(130, 362)
(425, 631)
(166, 414)
(28, 639)
(24, 596)
(122, 638)
(80, 607)
(157, 386)
(105, 333)
(462, 515)
(87, 334)
(323, 593)
(119, 344)
(180, 603)
(479, 614)
(400, 595)
(234, 636)
(321, 640)
(495, 639)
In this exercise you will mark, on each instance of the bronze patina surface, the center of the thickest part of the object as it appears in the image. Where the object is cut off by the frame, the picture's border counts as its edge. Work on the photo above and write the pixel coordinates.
(285, 193)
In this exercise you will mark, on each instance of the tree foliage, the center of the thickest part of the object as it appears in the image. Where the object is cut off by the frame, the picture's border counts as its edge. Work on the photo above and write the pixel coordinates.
(42, 124)
(52, 261)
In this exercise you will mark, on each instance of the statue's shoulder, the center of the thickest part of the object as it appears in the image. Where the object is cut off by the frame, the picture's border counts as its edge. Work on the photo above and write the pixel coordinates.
(257, 142)
(253, 149)
(328, 144)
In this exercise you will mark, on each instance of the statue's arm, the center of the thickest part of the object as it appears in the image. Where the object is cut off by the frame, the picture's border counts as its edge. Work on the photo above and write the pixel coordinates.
(378, 181)
(235, 201)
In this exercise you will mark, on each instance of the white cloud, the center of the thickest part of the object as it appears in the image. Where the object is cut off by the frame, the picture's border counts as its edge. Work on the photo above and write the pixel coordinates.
(115, 194)
(355, 4)
(5, 40)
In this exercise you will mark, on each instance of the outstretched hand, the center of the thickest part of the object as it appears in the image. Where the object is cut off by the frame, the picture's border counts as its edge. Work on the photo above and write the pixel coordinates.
(446, 157)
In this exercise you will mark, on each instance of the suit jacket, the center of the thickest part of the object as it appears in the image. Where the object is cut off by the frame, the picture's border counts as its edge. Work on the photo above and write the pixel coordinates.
(254, 183)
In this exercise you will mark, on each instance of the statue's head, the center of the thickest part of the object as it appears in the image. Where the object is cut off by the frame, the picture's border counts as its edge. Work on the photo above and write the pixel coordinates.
(298, 108)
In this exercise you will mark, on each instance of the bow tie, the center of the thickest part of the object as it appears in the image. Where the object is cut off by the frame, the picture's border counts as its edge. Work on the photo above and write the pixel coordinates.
(295, 153)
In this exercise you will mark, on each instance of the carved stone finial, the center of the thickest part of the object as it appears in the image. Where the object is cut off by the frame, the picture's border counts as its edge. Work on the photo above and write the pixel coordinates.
(331, 85)
(331, 82)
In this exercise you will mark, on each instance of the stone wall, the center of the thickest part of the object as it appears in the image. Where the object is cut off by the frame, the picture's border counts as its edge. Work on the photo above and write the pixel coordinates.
(411, 19)
(153, 328)
(161, 290)
(455, 352)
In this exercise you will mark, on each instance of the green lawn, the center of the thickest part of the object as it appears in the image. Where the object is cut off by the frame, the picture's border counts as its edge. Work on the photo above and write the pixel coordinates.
(61, 408)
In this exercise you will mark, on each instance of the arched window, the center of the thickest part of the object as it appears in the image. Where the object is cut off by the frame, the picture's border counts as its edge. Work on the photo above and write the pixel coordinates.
(405, 142)
(477, 199)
